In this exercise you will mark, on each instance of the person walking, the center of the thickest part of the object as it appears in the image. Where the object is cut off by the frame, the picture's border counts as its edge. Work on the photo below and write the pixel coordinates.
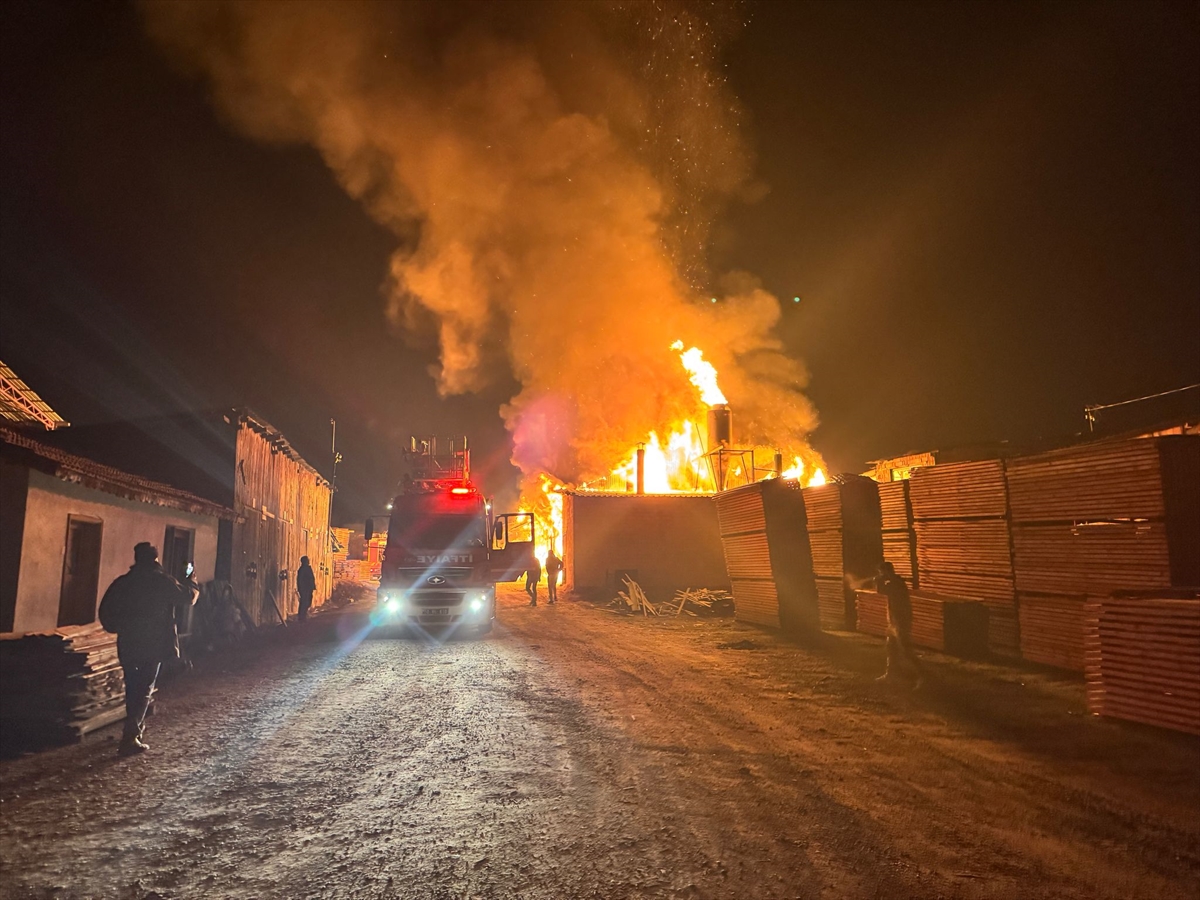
(554, 565)
(899, 640)
(142, 607)
(532, 576)
(306, 585)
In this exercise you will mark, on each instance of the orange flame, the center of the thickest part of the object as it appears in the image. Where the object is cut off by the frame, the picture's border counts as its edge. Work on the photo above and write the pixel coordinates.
(702, 373)
(677, 467)
(797, 472)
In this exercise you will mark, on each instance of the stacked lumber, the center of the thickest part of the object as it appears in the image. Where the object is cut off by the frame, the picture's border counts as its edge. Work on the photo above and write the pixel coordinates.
(871, 613)
(60, 685)
(964, 549)
(831, 603)
(767, 555)
(899, 536)
(845, 541)
(1052, 629)
(1142, 657)
(939, 623)
(1099, 519)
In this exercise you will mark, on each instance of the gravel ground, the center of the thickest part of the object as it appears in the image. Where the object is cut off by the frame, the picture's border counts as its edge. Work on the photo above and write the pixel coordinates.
(576, 753)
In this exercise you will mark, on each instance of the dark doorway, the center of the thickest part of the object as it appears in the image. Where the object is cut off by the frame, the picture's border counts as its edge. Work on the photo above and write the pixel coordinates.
(177, 551)
(81, 572)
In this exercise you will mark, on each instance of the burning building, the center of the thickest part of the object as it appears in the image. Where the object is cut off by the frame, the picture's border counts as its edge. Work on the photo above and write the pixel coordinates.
(653, 518)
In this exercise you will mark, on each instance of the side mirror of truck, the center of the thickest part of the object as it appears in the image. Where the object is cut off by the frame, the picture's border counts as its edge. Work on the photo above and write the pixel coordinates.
(368, 531)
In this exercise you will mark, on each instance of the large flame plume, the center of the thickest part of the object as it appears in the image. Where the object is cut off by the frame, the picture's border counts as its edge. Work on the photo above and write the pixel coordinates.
(549, 171)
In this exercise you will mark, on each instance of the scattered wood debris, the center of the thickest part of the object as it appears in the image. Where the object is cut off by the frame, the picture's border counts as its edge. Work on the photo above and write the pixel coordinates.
(692, 601)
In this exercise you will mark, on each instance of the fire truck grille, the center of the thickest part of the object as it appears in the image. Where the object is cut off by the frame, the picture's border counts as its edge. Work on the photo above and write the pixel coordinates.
(436, 599)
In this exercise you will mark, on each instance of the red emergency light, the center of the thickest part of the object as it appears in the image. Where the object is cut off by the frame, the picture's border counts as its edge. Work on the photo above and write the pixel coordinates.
(460, 490)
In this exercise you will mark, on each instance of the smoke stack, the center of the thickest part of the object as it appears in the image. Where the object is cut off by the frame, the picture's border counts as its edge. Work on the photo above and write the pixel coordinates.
(720, 426)
(641, 468)
(778, 464)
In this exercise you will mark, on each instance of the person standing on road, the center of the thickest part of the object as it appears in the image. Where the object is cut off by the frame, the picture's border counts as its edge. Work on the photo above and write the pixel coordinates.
(306, 585)
(142, 607)
(899, 641)
(532, 576)
(554, 565)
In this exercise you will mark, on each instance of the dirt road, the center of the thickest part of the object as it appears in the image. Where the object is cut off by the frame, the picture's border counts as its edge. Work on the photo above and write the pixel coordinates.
(579, 754)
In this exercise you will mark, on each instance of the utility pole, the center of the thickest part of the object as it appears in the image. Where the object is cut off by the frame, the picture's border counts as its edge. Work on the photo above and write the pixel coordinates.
(337, 457)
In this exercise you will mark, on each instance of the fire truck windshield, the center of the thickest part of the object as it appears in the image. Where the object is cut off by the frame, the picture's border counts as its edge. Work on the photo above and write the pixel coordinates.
(437, 531)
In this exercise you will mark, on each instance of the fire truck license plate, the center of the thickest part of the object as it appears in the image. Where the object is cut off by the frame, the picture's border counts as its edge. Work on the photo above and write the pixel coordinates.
(437, 614)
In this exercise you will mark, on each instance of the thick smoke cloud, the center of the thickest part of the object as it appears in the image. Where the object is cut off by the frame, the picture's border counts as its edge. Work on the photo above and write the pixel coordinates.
(550, 172)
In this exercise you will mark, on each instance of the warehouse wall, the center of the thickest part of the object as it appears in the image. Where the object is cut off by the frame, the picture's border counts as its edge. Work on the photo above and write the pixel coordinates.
(48, 504)
(282, 511)
(671, 541)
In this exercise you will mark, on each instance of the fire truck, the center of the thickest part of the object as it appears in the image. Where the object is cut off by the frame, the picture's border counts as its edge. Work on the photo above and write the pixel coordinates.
(446, 548)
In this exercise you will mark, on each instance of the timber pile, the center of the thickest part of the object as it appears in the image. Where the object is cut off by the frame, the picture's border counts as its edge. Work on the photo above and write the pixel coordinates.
(964, 549)
(1143, 660)
(939, 623)
(845, 540)
(60, 685)
(870, 612)
(1098, 519)
(899, 536)
(1108, 517)
(1052, 629)
(767, 555)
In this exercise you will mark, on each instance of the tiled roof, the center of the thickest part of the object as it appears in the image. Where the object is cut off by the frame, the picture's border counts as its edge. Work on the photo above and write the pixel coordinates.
(69, 467)
(20, 403)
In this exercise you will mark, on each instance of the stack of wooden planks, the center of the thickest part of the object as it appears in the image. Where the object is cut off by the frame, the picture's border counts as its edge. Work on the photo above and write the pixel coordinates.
(1052, 629)
(964, 548)
(767, 555)
(1143, 660)
(871, 613)
(846, 543)
(1097, 519)
(939, 623)
(59, 685)
(899, 536)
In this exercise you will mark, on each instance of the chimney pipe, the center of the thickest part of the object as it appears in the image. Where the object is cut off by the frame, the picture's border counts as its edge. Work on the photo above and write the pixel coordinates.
(720, 426)
(641, 468)
(778, 464)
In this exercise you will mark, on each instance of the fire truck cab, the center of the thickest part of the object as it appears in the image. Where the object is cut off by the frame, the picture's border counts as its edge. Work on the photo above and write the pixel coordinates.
(446, 549)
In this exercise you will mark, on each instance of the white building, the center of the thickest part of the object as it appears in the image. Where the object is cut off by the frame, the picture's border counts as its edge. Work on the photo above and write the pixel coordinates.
(68, 526)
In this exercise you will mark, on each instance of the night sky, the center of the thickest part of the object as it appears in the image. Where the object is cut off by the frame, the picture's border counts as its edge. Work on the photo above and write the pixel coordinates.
(991, 214)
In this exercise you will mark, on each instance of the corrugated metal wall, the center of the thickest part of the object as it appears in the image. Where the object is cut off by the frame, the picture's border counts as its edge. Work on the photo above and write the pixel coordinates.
(671, 541)
(282, 511)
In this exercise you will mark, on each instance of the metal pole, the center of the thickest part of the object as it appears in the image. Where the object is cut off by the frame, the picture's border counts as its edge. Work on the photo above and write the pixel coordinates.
(641, 468)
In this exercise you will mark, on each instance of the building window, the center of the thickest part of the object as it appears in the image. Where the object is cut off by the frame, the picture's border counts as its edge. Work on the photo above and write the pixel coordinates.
(81, 572)
(178, 547)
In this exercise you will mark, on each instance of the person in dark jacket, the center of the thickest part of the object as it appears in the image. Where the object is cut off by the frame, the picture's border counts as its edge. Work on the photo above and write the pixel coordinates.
(532, 576)
(306, 584)
(899, 641)
(553, 567)
(141, 607)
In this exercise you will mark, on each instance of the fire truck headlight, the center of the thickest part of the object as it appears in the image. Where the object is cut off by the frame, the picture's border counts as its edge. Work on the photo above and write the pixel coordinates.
(477, 605)
(393, 604)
